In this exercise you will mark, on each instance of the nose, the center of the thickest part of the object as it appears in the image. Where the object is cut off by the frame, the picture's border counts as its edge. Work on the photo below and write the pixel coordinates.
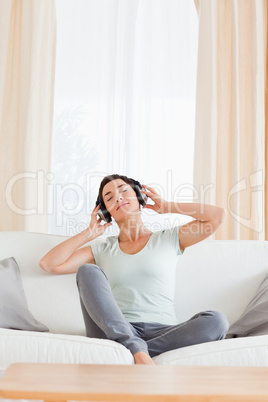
(119, 198)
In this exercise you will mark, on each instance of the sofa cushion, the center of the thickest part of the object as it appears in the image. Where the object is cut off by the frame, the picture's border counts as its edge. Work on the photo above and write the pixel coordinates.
(44, 347)
(254, 320)
(252, 351)
(14, 311)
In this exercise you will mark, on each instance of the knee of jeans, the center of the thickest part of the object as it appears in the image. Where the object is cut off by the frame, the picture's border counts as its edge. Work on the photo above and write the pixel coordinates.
(86, 270)
(221, 323)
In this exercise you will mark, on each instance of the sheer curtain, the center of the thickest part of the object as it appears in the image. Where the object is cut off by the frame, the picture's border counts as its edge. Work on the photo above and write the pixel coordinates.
(231, 159)
(27, 63)
(124, 103)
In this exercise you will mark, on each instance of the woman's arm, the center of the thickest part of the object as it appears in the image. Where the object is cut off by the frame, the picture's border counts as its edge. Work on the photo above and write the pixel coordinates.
(59, 255)
(207, 217)
(65, 257)
(207, 220)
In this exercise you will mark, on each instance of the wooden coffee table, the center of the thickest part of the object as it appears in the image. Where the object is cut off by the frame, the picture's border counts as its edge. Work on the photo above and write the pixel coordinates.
(91, 382)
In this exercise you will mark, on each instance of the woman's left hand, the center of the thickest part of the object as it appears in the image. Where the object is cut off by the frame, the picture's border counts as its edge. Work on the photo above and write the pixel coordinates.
(160, 205)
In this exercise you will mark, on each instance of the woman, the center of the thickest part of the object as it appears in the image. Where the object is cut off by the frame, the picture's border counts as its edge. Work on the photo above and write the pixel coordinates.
(127, 283)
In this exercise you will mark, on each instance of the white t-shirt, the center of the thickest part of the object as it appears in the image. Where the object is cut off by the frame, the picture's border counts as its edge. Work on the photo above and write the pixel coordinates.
(143, 284)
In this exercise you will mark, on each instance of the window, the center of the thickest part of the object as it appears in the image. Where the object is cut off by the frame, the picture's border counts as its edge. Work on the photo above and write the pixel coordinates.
(124, 103)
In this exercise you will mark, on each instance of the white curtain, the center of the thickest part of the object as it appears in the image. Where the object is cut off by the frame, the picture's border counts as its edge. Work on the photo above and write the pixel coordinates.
(27, 65)
(231, 159)
(124, 103)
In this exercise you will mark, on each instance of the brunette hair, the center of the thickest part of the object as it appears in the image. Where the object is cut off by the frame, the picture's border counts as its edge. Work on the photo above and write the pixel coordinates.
(112, 177)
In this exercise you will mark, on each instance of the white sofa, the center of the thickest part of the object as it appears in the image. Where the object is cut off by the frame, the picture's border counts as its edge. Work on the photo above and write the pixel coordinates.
(212, 275)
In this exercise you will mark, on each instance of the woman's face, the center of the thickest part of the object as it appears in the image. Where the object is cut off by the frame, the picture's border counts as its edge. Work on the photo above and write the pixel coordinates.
(120, 199)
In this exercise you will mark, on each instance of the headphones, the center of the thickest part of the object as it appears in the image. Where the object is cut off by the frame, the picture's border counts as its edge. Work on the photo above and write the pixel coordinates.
(142, 198)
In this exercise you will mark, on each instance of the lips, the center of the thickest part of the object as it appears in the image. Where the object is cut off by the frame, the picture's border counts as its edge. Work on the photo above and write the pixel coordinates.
(125, 203)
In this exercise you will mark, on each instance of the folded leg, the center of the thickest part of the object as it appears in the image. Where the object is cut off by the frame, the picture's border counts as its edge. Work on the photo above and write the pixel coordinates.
(206, 326)
(102, 315)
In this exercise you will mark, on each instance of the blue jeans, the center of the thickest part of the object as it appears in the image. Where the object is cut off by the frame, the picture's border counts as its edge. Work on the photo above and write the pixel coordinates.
(104, 319)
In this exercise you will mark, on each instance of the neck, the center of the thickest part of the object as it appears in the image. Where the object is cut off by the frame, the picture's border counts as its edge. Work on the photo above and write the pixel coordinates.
(132, 230)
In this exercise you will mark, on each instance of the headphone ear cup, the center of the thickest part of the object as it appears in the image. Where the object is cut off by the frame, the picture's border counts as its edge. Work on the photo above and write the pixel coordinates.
(142, 198)
(106, 215)
(103, 213)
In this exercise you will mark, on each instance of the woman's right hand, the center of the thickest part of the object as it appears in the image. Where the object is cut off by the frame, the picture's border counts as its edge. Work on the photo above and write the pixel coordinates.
(95, 228)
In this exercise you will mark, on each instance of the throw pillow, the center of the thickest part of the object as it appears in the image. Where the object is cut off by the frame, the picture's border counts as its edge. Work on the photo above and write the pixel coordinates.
(14, 311)
(254, 320)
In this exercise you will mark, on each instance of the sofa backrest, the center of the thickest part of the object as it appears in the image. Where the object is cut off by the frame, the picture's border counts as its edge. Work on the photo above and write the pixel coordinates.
(211, 275)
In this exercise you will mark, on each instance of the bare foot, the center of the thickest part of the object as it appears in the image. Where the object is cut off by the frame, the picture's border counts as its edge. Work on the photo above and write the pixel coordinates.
(143, 358)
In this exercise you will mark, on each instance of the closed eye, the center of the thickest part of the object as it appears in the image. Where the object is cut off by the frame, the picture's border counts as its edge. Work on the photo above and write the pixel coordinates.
(122, 191)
